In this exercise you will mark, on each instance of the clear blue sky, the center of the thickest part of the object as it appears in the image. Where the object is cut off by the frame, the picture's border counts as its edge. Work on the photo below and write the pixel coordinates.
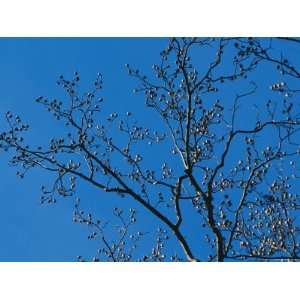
(29, 68)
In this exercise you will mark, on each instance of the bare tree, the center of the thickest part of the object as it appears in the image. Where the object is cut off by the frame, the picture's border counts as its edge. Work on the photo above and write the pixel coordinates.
(229, 154)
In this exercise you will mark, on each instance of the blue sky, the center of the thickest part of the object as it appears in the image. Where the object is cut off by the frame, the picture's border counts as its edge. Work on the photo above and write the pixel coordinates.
(29, 68)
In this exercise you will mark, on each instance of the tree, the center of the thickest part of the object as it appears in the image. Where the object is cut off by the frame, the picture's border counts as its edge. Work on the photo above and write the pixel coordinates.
(229, 146)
